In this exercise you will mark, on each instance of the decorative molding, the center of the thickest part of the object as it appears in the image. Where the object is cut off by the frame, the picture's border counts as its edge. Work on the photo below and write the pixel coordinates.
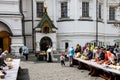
(85, 19)
(65, 19)
(59, 1)
(21, 35)
(13, 15)
(90, 34)
(66, 40)
(17, 36)
(39, 31)
(100, 20)
(10, 13)
(9, 1)
(112, 21)
(30, 35)
(85, 0)
(101, 1)
(117, 40)
(39, 0)
(27, 20)
(10, 16)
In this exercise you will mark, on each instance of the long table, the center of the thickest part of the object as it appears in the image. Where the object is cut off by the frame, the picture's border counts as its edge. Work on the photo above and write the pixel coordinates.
(12, 73)
(99, 70)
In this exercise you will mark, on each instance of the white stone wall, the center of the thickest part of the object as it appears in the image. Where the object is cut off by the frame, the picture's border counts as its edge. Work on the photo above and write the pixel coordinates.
(10, 15)
(52, 36)
(28, 28)
(107, 32)
(16, 43)
(9, 6)
(76, 31)
(27, 9)
(3, 27)
(72, 40)
(14, 24)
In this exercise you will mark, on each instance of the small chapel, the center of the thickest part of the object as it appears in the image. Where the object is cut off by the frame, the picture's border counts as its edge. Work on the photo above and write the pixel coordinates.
(45, 33)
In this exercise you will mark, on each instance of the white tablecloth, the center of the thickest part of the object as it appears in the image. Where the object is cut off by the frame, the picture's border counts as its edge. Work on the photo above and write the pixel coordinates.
(103, 67)
(12, 73)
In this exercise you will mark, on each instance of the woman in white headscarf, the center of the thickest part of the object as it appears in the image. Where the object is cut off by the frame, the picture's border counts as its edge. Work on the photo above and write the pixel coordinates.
(50, 54)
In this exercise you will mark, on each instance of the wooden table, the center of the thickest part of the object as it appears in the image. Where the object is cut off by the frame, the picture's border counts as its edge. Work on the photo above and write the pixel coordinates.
(99, 70)
(12, 73)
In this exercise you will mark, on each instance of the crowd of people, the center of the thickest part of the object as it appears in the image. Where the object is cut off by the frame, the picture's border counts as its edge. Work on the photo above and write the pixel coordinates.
(107, 55)
(3, 57)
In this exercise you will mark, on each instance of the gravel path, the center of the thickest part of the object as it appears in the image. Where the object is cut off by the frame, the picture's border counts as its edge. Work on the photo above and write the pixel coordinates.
(37, 70)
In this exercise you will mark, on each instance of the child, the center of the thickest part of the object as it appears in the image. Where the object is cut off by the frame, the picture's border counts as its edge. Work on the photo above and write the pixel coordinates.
(62, 59)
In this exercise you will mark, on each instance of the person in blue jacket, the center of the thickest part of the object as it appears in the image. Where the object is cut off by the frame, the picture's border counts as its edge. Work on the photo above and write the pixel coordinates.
(71, 54)
(25, 52)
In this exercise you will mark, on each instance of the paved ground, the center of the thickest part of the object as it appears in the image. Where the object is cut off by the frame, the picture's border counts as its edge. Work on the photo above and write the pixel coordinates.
(37, 70)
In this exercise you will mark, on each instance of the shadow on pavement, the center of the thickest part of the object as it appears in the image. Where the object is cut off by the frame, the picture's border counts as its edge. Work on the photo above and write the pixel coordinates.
(23, 74)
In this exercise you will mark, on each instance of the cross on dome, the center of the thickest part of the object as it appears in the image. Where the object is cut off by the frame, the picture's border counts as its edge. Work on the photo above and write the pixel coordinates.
(45, 5)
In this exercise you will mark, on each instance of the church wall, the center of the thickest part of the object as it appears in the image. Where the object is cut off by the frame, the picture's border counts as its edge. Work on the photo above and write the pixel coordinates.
(86, 30)
(39, 36)
(17, 39)
(28, 34)
(110, 29)
(10, 15)
(27, 9)
(28, 28)
(14, 24)
(16, 27)
(13, 6)
(29, 42)
(3, 27)
(75, 9)
(75, 31)
(50, 8)
(72, 40)
(76, 27)
(92, 9)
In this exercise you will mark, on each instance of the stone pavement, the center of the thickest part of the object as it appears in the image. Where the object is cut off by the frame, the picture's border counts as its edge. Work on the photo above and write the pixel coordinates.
(41, 70)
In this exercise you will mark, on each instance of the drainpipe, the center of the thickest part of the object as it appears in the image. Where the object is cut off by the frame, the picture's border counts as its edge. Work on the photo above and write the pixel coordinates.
(96, 22)
(32, 27)
(23, 23)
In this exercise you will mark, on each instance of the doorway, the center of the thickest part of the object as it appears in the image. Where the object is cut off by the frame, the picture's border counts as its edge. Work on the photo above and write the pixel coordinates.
(45, 42)
(5, 40)
(1, 43)
(66, 45)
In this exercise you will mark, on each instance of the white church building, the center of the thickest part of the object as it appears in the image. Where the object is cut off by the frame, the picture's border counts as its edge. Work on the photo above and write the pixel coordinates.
(59, 23)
